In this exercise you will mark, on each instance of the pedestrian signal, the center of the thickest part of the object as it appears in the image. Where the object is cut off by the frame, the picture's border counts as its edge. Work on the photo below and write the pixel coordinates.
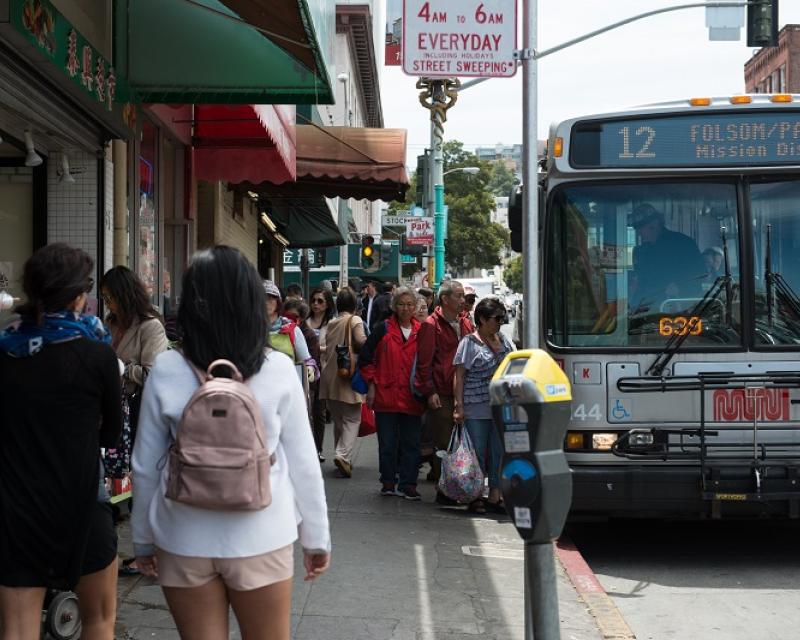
(762, 23)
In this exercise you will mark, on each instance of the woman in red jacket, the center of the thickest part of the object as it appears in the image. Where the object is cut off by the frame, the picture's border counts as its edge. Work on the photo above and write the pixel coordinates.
(386, 361)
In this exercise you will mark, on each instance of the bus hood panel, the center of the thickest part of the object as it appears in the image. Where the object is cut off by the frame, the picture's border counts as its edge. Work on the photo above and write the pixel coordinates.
(735, 407)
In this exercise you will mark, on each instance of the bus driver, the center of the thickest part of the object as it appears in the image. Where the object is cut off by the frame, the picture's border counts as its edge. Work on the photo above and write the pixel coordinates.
(667, 264)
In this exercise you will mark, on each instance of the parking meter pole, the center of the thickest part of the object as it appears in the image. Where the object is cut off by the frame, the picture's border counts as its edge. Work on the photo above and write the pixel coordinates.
(540, 572)
(531, 396)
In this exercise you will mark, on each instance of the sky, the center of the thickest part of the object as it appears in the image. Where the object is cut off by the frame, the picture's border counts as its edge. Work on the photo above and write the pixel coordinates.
(661, 58)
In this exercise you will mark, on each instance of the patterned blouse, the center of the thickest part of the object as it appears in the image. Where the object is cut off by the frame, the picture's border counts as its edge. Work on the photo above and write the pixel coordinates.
(480, 363)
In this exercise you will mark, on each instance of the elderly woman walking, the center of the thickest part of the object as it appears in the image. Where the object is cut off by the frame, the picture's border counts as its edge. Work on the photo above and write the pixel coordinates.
(343, 403)
(386, 362)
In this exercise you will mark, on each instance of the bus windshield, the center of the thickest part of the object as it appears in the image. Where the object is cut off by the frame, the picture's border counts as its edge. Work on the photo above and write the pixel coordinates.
(629, 264)
(776, 243)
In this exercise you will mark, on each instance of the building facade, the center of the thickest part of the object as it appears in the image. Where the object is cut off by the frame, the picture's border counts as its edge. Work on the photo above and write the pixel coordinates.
(776, 69)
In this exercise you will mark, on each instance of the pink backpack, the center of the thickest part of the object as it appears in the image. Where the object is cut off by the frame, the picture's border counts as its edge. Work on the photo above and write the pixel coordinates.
(219, 459)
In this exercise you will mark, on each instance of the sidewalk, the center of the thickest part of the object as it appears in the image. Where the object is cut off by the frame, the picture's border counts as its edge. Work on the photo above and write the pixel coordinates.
(400, 570)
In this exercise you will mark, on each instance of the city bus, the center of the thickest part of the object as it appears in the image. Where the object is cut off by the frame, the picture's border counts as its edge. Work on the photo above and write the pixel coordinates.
(670, 281)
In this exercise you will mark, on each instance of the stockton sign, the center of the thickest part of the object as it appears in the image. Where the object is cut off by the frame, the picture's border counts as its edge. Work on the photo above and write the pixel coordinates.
(468, 38)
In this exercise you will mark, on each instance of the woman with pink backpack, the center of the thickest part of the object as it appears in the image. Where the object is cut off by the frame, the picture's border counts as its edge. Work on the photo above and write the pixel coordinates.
(226, 475)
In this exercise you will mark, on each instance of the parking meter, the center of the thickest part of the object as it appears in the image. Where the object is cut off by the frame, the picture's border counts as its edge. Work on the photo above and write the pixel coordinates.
(531, 397)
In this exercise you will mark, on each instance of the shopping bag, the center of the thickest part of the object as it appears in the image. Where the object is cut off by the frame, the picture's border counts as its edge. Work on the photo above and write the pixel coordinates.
(461, 478)
(368, 426)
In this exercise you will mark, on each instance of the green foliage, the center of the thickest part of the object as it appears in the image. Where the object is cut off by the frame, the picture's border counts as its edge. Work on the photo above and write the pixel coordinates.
(512, 275)
(502, 180)
(473, 241)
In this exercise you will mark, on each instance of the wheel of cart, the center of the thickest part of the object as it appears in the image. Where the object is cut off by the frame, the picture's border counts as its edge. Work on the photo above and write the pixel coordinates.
(61, 618)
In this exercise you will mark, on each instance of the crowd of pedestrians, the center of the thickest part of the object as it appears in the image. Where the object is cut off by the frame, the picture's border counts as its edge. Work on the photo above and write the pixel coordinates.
(85, 401)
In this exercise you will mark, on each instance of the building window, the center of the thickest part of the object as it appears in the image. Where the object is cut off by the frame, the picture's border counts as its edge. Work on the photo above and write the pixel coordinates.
(782, 79)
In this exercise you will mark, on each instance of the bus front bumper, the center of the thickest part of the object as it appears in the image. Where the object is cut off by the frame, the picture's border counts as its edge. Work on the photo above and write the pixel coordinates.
(681, 490)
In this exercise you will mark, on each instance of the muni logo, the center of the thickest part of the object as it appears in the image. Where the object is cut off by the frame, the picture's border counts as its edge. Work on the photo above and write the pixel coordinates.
(761, 404)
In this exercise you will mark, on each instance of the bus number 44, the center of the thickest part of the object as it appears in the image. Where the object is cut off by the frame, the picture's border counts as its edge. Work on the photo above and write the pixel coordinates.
(580, 412)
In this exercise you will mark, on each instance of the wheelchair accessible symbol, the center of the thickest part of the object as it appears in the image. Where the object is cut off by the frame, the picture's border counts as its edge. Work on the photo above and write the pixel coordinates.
(621, 410)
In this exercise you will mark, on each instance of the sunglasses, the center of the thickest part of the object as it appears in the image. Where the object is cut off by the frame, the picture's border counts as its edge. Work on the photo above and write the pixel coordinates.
(318, 301)
(500, 319)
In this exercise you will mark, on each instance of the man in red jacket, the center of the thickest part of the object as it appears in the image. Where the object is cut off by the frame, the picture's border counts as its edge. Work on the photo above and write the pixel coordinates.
(437, 342)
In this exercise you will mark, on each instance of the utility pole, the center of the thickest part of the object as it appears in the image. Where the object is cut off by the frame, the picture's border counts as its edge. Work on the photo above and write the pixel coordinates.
(437, 96)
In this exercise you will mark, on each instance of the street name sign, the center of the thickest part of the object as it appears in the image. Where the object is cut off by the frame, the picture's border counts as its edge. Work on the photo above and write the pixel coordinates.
(450, 38)
(419, 231)
(395, 221)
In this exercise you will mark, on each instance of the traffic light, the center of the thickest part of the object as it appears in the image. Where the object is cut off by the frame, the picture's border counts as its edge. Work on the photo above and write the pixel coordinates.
(370, 254)
(762, 23)
(515, 217)
(422, 180)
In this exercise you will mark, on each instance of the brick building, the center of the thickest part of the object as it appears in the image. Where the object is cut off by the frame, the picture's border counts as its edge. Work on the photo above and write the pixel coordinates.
(776, 69)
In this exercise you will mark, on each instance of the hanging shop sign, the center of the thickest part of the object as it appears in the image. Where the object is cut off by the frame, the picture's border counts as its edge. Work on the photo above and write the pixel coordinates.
(55, 37)
(459, 38)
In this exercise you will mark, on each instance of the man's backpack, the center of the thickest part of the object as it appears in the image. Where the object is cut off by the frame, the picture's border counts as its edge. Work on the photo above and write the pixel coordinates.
(219, 459)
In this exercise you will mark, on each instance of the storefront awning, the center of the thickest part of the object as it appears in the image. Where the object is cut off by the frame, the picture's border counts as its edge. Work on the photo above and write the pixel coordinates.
(348, 162)
(305, 222)
(250, 143)
(227, 51)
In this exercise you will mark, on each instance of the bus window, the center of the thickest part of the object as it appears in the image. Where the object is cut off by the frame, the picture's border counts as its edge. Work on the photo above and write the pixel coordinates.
(626, 264)
(776, 245)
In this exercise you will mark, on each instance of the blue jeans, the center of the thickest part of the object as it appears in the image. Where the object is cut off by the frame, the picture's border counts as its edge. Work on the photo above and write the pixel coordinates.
(398, 447)
(484, 435)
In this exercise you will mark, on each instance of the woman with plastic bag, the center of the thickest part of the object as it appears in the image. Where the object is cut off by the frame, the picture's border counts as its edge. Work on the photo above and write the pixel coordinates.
(477, 358)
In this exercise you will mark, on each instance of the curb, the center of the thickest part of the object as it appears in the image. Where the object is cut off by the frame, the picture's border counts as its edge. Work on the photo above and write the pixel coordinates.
(609, 619)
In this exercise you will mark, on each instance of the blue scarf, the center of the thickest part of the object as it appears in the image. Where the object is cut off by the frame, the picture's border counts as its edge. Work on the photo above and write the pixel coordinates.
(28, 338)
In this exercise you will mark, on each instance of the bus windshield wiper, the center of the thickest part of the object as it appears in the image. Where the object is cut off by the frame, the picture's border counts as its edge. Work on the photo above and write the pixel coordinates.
(676, 340)
(777, 287)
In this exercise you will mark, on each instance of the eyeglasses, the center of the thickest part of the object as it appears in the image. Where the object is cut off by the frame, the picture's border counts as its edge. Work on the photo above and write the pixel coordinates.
(500, 319)
(318, 301)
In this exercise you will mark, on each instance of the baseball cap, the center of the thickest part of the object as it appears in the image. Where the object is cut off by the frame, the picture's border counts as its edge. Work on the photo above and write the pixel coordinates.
(643, 214)
(271, 289)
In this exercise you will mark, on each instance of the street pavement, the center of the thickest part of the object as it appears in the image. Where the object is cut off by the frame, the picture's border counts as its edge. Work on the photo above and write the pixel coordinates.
(400, 570)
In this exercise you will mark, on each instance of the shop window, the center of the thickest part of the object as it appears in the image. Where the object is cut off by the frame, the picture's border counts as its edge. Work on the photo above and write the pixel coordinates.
(147, 231)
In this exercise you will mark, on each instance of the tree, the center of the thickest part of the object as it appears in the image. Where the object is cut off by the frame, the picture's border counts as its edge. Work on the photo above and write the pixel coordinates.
(502, 180)
(473, 242)
(512, 275)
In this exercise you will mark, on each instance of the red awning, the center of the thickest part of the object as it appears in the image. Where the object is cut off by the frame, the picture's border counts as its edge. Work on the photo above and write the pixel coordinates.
(244, 143)
(352, 162)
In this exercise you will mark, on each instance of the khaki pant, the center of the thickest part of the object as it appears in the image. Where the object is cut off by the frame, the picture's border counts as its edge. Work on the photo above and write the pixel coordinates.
(439, 424)
(346, 418)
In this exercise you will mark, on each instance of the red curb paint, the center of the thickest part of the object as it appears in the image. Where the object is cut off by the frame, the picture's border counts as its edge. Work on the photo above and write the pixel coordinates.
(581, 576)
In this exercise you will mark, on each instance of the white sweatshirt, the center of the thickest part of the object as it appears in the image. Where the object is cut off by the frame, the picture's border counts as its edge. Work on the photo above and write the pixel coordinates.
(298, 492)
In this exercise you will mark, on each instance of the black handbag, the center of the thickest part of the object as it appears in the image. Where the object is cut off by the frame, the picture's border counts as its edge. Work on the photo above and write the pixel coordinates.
(345, 358)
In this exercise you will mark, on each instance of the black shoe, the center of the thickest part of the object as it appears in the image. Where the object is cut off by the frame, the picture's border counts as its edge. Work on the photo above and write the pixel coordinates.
(321, 457)
(389, 490)
(444, 500)
(410, 493)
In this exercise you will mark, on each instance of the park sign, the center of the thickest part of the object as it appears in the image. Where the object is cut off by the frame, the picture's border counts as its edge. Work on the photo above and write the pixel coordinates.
(419, 231)
(459, 38)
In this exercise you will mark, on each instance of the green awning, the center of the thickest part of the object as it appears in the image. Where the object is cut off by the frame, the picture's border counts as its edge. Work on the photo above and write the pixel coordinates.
(226, 52)
(306, 222)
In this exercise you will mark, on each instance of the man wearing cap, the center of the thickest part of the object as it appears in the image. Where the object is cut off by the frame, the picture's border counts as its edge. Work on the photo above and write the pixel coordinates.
(469, 299)
(667, 264)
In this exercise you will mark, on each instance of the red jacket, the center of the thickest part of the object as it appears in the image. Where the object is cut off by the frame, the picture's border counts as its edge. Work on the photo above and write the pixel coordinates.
(437, 347)
(386, 360)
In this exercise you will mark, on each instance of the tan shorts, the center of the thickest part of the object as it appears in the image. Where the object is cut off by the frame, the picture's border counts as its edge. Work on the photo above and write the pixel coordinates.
(239, 574)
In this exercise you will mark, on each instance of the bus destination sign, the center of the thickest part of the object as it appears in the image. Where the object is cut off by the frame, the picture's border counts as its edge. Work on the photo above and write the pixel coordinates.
(702, 140)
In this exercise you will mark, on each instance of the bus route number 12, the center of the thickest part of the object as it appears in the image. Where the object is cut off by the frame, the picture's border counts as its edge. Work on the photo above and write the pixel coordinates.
(580, 412)
(644, 136)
